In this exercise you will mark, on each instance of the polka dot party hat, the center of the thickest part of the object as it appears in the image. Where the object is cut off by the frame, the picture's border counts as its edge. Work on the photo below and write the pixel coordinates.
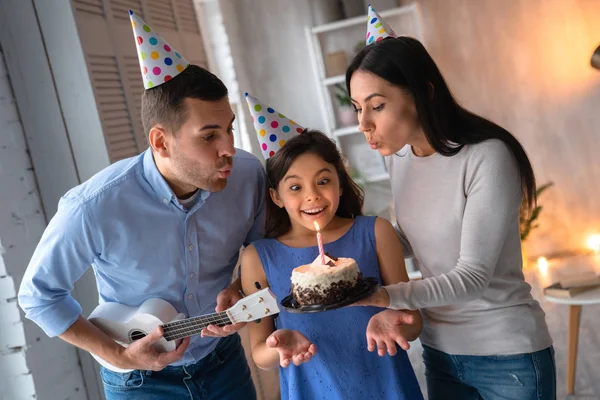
(272, 128)
(159, 62)
(377, 29)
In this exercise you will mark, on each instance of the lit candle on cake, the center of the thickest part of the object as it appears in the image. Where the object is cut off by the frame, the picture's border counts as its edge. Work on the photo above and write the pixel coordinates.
(320, 242)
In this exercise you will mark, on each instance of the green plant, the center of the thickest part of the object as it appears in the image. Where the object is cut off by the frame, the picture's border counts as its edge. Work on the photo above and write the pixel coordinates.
(527, 219)
(342, 96)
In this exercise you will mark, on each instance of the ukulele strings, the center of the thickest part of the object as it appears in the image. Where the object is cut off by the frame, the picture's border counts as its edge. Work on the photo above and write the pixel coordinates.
(190, 326)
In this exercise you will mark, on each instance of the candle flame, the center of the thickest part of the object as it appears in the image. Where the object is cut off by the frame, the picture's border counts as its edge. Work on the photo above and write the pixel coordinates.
(317, 226)
(542, 264)
(593, 243)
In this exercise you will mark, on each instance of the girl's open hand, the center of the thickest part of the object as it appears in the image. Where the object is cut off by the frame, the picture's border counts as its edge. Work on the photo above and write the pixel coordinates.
(292, 346)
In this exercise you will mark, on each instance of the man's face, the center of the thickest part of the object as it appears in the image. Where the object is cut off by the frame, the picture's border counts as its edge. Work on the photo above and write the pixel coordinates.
(201, 152)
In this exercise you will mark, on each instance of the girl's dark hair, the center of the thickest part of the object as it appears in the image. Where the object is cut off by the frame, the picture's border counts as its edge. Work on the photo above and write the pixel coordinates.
(404, 62)
(315, 142)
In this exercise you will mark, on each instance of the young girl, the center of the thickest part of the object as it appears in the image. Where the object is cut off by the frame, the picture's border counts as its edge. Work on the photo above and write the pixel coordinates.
(308, 183)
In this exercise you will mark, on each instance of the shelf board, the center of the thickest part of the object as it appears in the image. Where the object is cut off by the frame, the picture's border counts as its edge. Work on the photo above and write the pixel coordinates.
(334, 80)
(379, 178)
(350, 130)
(412, 275)
(346, 23)
(374, 179)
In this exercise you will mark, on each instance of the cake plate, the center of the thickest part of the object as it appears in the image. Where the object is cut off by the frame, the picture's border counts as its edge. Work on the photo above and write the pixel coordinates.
(365, 288)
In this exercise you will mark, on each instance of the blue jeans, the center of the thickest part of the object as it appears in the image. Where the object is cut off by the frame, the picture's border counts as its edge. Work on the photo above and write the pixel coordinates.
(528, 376)
(223, 374)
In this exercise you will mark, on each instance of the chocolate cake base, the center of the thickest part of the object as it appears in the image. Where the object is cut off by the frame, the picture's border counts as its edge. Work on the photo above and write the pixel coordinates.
(315, 295)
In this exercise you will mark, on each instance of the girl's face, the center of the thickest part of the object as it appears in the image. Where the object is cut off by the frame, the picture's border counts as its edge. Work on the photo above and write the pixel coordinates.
(310, 191)
(387, 114)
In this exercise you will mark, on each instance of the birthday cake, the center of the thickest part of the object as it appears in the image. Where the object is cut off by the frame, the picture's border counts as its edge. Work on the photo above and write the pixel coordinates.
(316, 283)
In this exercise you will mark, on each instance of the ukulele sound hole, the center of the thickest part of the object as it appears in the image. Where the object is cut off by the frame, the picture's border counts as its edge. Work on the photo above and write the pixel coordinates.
(136, 335)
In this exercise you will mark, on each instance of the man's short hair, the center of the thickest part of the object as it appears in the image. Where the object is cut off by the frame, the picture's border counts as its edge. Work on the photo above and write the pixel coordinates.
(163, 104)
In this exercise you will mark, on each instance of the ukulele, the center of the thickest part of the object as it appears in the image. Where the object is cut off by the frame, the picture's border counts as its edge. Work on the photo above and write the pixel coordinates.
(125, 324)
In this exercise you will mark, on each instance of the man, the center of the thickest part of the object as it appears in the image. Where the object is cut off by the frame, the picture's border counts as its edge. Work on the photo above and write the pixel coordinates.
(166, 224)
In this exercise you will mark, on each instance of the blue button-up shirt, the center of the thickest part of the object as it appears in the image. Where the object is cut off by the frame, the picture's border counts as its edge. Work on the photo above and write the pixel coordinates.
(142, 243)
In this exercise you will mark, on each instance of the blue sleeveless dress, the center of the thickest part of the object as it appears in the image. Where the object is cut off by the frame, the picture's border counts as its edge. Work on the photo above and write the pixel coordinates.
(343, 368)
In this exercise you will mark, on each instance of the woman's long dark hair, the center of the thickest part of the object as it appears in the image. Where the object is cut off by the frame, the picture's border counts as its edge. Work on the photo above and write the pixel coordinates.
(404, 62)
(315, 142)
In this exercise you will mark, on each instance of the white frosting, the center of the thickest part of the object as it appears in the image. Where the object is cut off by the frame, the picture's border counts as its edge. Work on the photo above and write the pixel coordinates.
(311, 275)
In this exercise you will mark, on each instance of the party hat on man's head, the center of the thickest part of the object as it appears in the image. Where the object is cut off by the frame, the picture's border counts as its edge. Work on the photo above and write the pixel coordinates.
(272, 128)
(377, 29)
(159, 62)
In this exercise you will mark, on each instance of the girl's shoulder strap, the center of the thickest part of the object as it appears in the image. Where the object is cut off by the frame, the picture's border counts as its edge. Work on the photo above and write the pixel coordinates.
(269, 251)
(363, 227)
(366, 222)
(264, 245)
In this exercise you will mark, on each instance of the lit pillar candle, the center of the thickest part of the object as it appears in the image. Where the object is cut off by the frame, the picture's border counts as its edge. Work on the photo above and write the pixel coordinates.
(320, 242)
(593, 243)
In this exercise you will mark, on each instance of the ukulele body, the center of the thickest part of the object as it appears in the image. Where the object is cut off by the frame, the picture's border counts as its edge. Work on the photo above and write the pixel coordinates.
(125, 324)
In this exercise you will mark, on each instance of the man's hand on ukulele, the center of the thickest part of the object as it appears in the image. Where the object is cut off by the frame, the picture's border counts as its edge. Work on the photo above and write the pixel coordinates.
(226, 299)
(141, 354)
(292, 346)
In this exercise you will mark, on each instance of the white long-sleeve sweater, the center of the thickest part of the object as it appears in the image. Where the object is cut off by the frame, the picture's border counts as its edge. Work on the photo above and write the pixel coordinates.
(459, 217)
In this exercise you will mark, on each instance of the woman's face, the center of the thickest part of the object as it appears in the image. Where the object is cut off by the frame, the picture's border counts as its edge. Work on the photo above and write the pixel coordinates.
(386, 113)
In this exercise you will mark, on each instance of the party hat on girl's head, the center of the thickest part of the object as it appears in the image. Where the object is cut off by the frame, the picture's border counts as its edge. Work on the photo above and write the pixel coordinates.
(272, 128)
(159, 62)
(377, 29)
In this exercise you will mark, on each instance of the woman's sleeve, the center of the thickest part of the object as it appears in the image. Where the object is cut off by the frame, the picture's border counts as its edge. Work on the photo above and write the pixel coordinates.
(493, 201)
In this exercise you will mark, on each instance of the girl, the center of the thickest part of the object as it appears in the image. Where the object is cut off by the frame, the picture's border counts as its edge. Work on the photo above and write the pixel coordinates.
(308, 182)
(458, 182)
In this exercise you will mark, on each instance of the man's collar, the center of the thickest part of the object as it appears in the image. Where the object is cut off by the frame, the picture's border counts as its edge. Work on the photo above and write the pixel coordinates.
(155, 178)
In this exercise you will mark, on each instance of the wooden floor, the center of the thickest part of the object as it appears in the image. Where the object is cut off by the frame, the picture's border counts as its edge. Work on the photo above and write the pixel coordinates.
(587, 382)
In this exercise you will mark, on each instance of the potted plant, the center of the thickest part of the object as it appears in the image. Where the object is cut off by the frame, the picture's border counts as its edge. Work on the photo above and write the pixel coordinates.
(345, 111)
(527, 219)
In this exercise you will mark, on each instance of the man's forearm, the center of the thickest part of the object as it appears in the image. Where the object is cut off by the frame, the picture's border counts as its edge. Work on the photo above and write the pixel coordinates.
(87, 336)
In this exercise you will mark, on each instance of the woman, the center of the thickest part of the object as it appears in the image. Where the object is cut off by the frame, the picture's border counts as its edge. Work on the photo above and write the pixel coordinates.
(458, 182)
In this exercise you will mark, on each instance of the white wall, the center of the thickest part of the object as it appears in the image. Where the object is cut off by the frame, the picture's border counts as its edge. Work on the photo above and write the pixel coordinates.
(525, 64)
(271, 56)
(28, 358)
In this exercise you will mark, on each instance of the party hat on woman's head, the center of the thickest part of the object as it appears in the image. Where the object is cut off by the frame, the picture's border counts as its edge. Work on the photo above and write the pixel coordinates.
(272, 128)
(159, 62)
(377, 29)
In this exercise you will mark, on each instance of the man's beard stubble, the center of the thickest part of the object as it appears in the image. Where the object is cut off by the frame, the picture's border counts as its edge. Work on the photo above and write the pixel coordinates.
(207, 180)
